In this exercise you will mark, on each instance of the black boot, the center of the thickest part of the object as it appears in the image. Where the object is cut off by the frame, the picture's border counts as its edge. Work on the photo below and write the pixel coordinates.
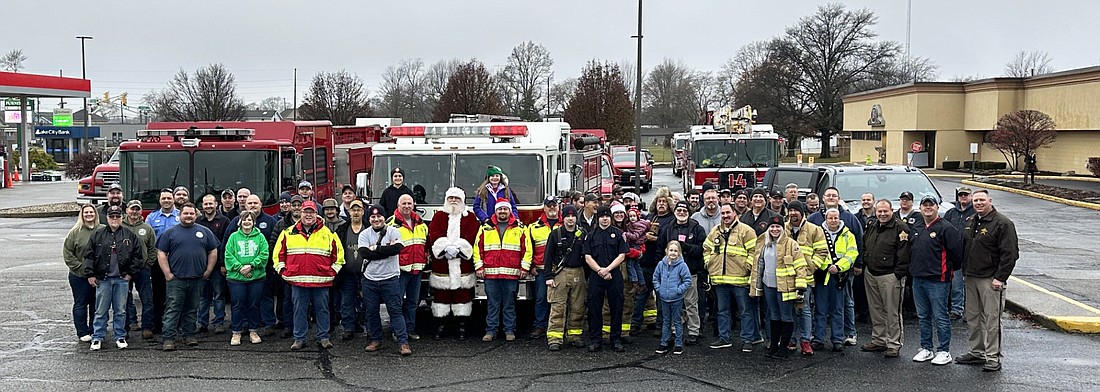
(439, 330)
(788, 330)
(774, 346)
(462, 329)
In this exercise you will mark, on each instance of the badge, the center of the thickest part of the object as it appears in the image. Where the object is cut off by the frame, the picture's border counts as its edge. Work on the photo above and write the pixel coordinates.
(717, 240)
(903, 236)
(985, 231)
(141, 232)
(262, 225)
(612, 235)
(932, 235)
(198, 234)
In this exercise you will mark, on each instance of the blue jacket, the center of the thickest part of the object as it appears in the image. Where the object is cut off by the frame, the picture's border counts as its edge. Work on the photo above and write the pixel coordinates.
(671, 282)
(483, 213)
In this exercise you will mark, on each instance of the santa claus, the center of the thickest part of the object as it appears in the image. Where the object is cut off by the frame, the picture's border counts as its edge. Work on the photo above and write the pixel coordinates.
(451, 234)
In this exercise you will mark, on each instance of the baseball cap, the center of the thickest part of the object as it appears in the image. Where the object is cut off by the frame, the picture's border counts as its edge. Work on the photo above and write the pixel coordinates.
(376, 210)
(305, 184)
(775, 194)
(963, 189)
(297, 198)
(682, 204)
(631, 196)
(114, 211)
(568, 210)
(285, 196)
(114, 186)
(906, 195)
(603, 211)
(309, 205)
(133, 203)
(929, 199)
(590, 197)
(740, 192)
(228, 191)
(356, 202)
(181, 188)
(726, 191)
(549, 200)
(347, 187)
(330, 203)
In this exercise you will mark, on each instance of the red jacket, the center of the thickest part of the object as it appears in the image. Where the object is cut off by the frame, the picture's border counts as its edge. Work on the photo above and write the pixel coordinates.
(414, 237)
(502, 257)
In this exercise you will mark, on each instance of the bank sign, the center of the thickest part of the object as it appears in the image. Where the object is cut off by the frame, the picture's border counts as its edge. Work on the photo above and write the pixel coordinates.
(55, 132)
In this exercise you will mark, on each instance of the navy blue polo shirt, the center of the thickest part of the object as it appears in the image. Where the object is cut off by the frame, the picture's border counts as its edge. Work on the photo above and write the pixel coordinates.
(187, 248)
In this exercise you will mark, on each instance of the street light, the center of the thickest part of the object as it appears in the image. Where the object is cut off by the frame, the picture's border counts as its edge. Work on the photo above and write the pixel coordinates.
(638, 109)
(84, 75)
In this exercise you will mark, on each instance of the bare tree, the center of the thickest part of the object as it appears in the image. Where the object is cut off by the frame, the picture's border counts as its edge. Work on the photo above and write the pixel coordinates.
(208, 95)
(560, 95)
(601, 101)
(13, 60)
(1021, 133)
(967, 78)
(897, 71)
(1029, 64)
(835, 48)
(435, 82)
(667, 96)
(706, 92)
(772, 87)
(337, 96)
(523, 80)
(270, 103)
(470, 90)
(403, 91)
(630, 77)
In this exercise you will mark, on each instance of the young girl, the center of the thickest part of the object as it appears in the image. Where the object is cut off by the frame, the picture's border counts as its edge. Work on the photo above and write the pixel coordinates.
(494, 187)
(634, 231)
(246, 256)
(671, 280)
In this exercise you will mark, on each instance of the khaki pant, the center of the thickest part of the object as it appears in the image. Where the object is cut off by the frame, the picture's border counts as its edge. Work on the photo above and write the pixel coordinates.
(628, 306)
(567, 300)
(691, 308)
(983, 317)
(884, 295)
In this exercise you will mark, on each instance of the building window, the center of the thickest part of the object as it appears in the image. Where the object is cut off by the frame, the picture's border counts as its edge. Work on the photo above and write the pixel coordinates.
(867, 135)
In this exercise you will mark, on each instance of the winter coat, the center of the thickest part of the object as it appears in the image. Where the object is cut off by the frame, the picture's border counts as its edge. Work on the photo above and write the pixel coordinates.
(728, 254)
(846, 249)
(246, 249)
(104, 242)
(811, 241)
(791, 271)
(148, 240)
(992, 247)
(692, 245)
(484, 208)
(671, 280)
(935, 250)
(73, 249)
(886, 248)
(308, 258)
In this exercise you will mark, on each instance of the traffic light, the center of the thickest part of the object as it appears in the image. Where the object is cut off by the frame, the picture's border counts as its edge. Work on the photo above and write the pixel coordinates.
(122, 98)
(107, 97)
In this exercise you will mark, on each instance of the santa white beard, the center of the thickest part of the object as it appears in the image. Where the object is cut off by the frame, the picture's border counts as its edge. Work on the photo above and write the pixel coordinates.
(454, 209)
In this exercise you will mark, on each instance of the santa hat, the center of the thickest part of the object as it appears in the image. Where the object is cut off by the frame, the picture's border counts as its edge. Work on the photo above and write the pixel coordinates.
(503, 203)
(456, 192)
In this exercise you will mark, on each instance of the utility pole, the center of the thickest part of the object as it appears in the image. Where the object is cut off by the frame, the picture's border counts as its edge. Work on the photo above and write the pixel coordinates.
(638, 109)
(295, 99)
(84, 75)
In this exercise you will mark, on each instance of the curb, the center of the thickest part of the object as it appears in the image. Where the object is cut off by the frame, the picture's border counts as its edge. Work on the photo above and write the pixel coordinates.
(1072, 324)
(45, 214)
(941, 175)
(1065, 178)
(1075, 203)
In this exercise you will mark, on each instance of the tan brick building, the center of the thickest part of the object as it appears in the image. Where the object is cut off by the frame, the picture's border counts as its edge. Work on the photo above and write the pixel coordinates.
(945, 117)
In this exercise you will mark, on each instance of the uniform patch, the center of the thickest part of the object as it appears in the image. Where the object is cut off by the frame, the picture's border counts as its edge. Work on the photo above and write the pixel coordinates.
(903, 236)
(262, 225)
(612, 235)
(932, 235)
(141, 232)
(198, 234)
(985, 231)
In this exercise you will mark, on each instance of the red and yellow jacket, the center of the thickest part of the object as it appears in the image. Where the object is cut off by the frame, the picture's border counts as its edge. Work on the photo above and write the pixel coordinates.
(414, 237)
(537, 233)
(502, 258)
(308, 258)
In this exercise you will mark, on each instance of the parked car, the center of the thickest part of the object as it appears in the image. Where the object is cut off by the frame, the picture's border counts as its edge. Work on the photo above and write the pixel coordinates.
(853, 180)
(624, 164)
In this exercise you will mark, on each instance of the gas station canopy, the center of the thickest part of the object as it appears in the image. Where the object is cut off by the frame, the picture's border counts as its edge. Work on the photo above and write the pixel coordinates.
(30, 85)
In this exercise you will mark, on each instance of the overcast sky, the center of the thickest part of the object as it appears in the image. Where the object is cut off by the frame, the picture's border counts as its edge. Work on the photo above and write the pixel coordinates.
(139, 44)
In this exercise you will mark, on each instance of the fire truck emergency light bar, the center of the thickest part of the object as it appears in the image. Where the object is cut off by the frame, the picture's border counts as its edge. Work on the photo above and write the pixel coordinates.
(434, 131)
(196, 132)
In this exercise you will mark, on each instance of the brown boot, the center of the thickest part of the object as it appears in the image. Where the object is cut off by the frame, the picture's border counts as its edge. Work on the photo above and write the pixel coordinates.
(406, 350)
(373, 346)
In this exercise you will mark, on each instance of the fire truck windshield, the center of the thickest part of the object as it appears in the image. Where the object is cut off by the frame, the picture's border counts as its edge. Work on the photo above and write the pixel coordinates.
(428, 176)
(525, 174)
(735, 153)
(147, 172)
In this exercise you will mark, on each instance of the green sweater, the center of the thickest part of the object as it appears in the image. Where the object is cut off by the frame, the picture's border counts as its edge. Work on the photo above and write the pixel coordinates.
(144, 232)
(246, 249)
(73, 252)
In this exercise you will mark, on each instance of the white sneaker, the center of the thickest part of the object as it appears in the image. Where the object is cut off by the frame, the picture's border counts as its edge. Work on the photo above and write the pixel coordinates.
(121, 344)
(850, 341)
(86, 338)
(95, 345)
(923, 356)
(942, 358)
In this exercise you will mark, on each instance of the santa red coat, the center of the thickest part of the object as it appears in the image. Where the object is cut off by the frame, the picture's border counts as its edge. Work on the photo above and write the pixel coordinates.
(452, 280)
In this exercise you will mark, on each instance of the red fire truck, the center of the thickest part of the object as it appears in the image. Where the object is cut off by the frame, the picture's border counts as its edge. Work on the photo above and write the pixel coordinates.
(208, 157)
(733, 152)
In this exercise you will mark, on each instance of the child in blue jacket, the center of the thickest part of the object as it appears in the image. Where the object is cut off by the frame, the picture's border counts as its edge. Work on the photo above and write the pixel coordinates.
(671, 280)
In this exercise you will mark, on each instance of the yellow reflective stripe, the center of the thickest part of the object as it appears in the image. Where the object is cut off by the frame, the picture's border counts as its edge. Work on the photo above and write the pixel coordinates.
(607, 328)
(790, 296)
(820, 244)
(554, 335)
(502, 271)
(736, 250)
(308, 279)
(649, 313)
(789, 271)
(626, 327)
(308, 251)
(413, 266)
(802, 282)
(575, 332)
(727, 279)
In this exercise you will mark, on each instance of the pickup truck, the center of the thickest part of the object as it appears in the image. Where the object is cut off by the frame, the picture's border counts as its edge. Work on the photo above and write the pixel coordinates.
(853, 180)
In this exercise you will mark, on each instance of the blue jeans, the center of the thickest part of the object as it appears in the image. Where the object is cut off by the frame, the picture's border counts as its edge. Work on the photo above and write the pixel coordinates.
(672, 323)
(778, 309)
(245, 298)
(181, 306)
(542, 303)
(303, 297)
(111, 293)
(958, 293)
(501, 295)
(212, 295)
(748, 310)
(288, 308)
(143, 282)
(410, 287)
(634, 271)
(351, 301)
(376, 292)
(803, 325)
(83, 304)
(849, 308)
(932, 300)
(829, 313)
